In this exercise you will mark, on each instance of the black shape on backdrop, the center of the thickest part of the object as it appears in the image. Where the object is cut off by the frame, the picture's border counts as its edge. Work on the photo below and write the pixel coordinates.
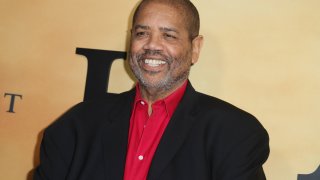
(313, 176)
(98, 70)
(12, 101)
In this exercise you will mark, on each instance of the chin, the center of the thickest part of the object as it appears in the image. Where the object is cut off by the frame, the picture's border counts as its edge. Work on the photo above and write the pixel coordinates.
(153, 83)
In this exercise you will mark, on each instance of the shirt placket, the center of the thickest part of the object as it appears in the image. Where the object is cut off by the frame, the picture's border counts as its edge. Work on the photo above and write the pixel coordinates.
(141, 150)
(150, 131)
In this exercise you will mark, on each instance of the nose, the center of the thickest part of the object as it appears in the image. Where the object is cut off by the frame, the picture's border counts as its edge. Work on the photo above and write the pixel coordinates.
(154, 42)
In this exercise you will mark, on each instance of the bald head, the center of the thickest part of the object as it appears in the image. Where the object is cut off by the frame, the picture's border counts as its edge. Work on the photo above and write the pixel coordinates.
(189, 12)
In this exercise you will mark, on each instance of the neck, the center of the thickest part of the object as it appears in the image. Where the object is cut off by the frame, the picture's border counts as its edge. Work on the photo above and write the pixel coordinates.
(152, 95)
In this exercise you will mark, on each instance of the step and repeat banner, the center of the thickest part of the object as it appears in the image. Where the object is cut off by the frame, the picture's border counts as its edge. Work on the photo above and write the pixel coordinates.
(263, 56)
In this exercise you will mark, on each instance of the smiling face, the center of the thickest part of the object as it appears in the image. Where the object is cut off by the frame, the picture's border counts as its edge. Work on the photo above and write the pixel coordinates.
(161, 52)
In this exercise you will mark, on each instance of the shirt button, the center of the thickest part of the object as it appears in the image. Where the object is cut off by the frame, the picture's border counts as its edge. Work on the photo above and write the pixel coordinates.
(140, 157)
(143, 103)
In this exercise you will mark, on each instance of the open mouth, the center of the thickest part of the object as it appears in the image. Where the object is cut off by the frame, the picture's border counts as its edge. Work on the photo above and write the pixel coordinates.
(154, 62)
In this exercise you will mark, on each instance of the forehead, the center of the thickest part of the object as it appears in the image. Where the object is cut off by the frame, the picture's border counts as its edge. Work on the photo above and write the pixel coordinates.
(159, 14)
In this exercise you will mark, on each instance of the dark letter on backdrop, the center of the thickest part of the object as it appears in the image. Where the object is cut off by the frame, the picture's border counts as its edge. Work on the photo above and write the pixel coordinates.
(12, 101)
(99, 64)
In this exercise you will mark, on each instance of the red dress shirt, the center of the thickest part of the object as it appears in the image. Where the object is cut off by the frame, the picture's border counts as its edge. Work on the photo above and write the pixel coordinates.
(146, 131)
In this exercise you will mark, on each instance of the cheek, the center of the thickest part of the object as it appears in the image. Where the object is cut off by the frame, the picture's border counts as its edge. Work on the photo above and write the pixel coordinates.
(182, 61)
(180, 54)
(174, 52)
(135, 46)
(179, 48)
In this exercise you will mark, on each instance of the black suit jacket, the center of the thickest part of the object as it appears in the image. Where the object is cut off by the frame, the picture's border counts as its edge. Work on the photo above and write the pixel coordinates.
(206, 138)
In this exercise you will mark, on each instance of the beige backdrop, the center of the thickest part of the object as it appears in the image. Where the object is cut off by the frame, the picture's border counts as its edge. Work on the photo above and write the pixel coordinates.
(263, 56)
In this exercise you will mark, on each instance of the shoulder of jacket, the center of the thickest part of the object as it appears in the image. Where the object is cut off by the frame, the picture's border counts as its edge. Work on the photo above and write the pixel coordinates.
(226, 112)
(91, 112)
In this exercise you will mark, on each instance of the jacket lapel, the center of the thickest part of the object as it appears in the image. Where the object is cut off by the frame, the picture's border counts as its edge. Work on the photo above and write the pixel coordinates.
(115, 137)
(175, 133)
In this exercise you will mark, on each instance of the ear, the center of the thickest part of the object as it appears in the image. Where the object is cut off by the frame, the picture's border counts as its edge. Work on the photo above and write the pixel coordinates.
(196, 47)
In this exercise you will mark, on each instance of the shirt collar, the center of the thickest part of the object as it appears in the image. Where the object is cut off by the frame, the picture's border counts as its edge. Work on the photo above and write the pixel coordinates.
(171, 101)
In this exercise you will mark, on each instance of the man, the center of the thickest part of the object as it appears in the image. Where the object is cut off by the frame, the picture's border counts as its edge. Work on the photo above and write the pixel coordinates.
(162, 129)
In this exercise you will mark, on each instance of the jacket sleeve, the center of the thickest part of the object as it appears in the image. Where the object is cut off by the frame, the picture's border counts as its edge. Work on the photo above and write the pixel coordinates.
(52, 165)
(57, 148)
(244, 161)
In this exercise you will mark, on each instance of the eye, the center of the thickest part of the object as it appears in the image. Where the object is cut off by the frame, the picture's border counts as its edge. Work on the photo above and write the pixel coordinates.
(141, 34)
(169, 36)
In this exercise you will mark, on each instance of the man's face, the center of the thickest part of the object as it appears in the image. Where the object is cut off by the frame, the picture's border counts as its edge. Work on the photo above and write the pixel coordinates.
(160, 51)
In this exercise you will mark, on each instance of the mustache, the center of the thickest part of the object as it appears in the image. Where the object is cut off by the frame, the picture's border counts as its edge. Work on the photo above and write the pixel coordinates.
(148, 52)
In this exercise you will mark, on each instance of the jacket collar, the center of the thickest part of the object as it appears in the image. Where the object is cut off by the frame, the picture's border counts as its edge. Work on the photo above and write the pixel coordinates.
(175, 133)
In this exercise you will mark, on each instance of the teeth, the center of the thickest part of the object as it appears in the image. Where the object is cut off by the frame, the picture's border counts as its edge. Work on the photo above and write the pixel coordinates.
(154, 62)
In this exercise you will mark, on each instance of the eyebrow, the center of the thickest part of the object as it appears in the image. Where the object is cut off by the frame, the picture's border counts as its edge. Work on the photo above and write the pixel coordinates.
(166, 29)
(141, 27)
(163, 29)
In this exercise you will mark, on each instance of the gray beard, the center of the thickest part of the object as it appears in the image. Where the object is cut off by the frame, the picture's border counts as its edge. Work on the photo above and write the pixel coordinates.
(166, 83)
